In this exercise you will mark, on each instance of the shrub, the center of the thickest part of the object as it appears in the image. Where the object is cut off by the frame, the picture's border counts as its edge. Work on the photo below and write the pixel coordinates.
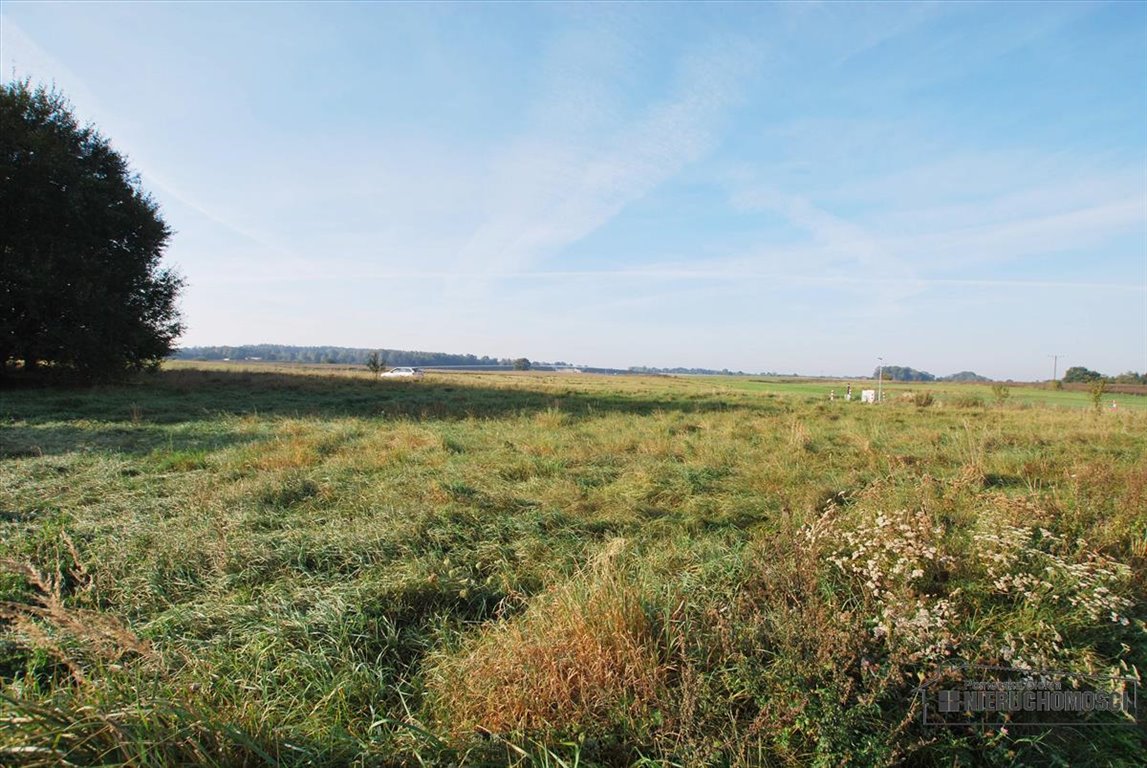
(376, 363)
(1097, 390)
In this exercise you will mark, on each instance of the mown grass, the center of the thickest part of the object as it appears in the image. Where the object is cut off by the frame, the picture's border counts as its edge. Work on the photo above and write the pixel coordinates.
(229, 566)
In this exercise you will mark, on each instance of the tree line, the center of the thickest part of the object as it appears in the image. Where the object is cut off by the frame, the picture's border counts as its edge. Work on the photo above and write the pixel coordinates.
(904, 373)
(285, 353)
(1078, 374)
(1074, 375)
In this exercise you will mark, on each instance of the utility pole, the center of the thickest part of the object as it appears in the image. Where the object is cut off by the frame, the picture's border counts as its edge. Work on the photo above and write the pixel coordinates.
(1054, 366)
(880, 380)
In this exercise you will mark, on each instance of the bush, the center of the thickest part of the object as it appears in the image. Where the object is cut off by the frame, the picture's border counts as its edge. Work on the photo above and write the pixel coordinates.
(1097, 390)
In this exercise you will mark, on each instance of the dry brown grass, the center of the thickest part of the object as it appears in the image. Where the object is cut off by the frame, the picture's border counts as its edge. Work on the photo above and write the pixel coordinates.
(75, 637)
(583, 653)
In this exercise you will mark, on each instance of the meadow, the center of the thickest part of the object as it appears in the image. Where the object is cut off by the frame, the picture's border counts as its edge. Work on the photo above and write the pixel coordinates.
(258, 565)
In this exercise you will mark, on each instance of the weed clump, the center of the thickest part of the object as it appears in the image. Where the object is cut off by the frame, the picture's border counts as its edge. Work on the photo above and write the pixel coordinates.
(999, 592)
(582, 654)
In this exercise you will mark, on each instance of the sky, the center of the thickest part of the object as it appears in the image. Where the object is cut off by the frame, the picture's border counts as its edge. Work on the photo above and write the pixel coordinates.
(799, 187)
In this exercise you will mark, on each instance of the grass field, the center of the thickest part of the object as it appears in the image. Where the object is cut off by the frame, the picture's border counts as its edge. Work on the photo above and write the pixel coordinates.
(248, 565)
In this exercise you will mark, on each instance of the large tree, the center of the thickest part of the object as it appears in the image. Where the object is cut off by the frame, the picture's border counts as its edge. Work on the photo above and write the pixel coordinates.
(81, 284)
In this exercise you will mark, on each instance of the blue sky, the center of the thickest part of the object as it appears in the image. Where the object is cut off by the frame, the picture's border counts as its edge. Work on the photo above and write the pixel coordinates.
(793, 187)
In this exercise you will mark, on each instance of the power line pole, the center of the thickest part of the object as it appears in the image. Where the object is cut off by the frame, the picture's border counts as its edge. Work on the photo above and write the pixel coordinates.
(880, 381)
(1054, 366)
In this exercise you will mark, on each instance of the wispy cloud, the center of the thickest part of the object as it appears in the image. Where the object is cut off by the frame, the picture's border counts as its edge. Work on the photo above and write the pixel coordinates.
(548, 194)
(1025, 235)
(29, 59)
(777, 279)
(23, 57)
(906, 234)
(841, 252)
(961, 170)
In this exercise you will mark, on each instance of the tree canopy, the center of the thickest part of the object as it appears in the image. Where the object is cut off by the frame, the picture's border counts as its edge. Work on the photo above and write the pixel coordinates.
(964, 376)
(1077, 374)
(902, 373)
(82, 288)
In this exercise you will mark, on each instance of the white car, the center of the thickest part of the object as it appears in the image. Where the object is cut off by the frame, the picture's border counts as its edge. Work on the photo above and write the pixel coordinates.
(402, 373)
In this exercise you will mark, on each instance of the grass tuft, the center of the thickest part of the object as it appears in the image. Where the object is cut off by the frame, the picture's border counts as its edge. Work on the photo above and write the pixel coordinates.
(582, 656)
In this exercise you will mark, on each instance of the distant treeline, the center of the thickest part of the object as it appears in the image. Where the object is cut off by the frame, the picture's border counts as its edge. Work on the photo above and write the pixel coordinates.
(1077, 374)
(904, 373)
(281, 353)
(1074, 375)
(284, 353)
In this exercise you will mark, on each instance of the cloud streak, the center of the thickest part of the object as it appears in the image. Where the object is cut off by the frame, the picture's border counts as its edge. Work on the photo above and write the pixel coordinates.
(609, 276)
(553, 177)
(922, 245)
(29, 59)
(550, 194)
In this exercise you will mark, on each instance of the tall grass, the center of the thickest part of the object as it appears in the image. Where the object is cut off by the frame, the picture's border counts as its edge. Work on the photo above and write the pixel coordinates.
(219, 567)
(583, 652)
